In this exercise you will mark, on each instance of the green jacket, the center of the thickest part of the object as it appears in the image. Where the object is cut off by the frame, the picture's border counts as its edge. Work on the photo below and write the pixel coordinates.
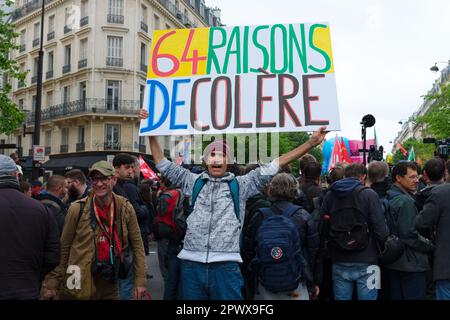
(403, 208)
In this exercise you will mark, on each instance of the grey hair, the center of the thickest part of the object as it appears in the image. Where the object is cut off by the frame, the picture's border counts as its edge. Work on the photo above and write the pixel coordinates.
(284, 186)
(377, 171)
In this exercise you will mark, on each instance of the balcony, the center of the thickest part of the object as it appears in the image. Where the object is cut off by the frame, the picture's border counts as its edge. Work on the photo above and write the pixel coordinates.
(110, 145)
(80, 146)
(82, 64)
(144, 67)
(66, 68)
(22, 47)
(144, 26)
(20, 84)
(114, 62)
(142, 148)
(67, 29)
(49, 74)
(48, 150)
(51, 35)
(27, 8)
(84, 21)
(33, 79)
(86, 107)
(115, 18)
(169, 6)
(36, 42)
(64, 148)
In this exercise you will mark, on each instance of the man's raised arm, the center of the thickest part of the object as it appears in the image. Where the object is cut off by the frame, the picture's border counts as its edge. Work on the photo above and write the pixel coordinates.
(157, 152)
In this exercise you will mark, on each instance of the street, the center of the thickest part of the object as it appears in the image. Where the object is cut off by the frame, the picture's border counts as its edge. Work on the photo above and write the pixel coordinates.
(155, 285)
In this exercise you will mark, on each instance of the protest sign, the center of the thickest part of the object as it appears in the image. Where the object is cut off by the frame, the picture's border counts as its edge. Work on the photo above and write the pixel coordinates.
(267, 78)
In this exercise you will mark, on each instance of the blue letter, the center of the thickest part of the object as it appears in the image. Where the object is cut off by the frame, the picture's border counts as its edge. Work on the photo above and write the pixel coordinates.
(151, 106)
(175, 103)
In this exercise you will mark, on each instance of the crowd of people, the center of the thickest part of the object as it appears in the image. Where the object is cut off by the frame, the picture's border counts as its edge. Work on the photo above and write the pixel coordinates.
(227, 232)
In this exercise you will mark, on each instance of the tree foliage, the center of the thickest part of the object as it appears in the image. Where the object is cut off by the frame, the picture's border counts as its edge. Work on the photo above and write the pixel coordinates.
(10, 115)
(437, 119)
(423, 151)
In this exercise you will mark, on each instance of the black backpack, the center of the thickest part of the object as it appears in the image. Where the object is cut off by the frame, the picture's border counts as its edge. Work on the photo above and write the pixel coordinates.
(348, 227)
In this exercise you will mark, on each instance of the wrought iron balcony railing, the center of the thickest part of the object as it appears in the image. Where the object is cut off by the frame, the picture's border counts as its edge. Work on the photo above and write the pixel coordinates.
(114, 62)
(49, 74)
(64, 148)
(144, 26)
(115, 18)
(80, 146)
(50, 35)
(84, 21)
(66, 68)
(82, 63)
(36, 42)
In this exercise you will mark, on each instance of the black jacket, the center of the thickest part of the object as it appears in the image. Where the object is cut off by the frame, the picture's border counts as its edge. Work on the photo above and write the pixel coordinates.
(369, 203)
(56, 207)
(29, 245)
(310, 190)
(309, 237)
(436, 214)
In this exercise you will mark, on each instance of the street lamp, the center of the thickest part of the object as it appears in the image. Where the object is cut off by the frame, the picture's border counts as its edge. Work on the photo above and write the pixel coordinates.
(37, 113)
(435, 67)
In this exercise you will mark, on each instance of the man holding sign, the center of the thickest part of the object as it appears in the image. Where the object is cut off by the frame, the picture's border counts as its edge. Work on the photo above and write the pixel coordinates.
(211, 251)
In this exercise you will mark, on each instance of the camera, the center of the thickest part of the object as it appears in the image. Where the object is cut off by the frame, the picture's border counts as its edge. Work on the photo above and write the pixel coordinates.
(106, 272)
(442, 147)
(374, 154)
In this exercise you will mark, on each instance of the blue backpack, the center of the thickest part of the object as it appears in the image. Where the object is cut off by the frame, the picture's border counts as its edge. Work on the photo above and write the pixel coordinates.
(278, 253)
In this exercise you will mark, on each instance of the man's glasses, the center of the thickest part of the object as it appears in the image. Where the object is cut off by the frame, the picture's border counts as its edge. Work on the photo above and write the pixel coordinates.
(97, 180)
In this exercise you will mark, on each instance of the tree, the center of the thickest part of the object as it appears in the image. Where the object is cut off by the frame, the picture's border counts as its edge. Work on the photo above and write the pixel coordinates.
(10, 115)
(437, 119)
(423, 151)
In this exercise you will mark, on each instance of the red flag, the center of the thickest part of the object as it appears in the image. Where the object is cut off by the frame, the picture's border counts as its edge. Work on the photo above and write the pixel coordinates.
(345, 156)
(335, 154)
(146, 171)
(402, 149)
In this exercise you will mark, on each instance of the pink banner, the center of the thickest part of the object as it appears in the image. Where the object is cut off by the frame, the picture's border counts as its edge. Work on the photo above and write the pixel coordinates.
(355, 145)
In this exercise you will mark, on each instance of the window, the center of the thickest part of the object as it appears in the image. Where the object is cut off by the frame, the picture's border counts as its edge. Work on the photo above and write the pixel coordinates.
(114, 47)
(143, 54)
(112, 136)
(67, 55)
(50, 61)
(35, 66)
(143, 14)
(49, 98)
(113, 94)
(83, 48)
(20, 104)
(48, 138)
(64, 136)
(65, 98)
(37, 29)
(22, 37)
(156, 23)
(83, 90)
(141, 95)
(33, 103)
(84, 8)
(115, 7)
(81, 132)
(51, 23)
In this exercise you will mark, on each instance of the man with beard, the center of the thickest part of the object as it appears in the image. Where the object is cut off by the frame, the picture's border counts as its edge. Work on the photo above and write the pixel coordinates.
(76, 184)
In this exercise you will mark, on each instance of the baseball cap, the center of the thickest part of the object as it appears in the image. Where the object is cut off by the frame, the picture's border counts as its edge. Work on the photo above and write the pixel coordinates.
(219, 146)
(7, 165)
(104, 167)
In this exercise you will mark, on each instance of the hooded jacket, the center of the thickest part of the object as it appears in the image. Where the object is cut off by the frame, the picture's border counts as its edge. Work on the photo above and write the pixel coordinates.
(213, 230)
(368, 202)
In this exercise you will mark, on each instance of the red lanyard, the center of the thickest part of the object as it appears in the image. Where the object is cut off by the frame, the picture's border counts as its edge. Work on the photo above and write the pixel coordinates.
(110, 235)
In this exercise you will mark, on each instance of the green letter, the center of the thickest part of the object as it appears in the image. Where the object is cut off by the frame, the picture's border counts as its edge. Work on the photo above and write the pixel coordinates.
(235, 37)
(262, 48)
(323, 53)
(273, 48)
(293, 41)
(212, 58)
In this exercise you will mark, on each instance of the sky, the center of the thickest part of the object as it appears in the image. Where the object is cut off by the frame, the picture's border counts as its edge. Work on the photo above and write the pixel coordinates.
(382, 52)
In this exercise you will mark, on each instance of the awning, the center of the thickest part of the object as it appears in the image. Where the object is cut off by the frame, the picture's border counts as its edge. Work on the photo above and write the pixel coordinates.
(74, 162)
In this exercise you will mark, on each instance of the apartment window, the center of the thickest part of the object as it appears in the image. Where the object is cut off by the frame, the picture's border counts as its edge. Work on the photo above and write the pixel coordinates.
(144, 14)
(33, 103)
(35, 67)
(113, 94)
(156, 22)
(67, 54)
(83, 48)
(84, 8)
(112, 136)
(48, 138)
(115, 11)
(22, 36)
(141, 95)
(51, 23)
(114, 57)
(64, 136)
(20, 104)
(50, 61)
(49, 98)
(81, 134)
(143, 57)
(37, 29)
(83, 90)
(65, 98)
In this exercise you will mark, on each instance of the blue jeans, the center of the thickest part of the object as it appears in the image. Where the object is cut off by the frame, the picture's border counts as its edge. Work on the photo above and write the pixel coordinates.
(407, 285)
(172, 280)
(126, 286)
(211, 281)
(443, 289)
(345, 275)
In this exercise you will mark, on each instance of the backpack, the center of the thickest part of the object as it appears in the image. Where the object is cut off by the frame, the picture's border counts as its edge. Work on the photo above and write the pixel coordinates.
(169, 212)
(58, 212)
(278, 253)
(348, 227)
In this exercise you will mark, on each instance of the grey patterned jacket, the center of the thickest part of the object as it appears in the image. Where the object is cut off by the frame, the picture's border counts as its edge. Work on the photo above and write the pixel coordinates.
(213, 231)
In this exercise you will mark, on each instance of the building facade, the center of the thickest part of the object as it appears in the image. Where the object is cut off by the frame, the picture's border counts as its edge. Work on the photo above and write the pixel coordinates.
(94, 69)
(411, 129)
